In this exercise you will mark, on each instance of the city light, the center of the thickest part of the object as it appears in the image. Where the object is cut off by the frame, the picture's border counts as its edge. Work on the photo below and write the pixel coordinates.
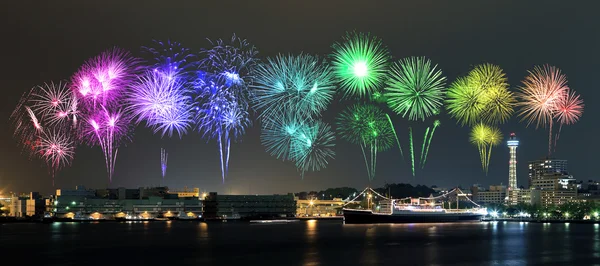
(567, 214)
(73, 203)
(596, 214)
(494, 214)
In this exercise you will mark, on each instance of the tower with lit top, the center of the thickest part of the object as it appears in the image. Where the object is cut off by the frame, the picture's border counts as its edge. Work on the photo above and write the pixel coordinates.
(512, 143)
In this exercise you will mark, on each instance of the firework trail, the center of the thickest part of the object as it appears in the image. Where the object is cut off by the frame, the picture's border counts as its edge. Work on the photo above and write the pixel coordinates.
(416, 90)
(436, 124)
(395, 135)
(424, 146)
(493, 139)
(367, 126)
(360, 62)
(101, 86)
(412, 150)
(163, 162)
(479, 136)
(485, 138)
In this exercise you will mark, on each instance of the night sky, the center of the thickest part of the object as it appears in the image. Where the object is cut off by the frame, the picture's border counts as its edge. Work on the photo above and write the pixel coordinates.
(48, 40)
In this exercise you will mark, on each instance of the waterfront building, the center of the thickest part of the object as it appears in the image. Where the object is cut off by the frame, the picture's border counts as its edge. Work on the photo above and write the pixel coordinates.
(319, 208)
(538, 169)
(248, 206)
(79, 191)
(18, 206)
(121, 202)
(513, 144)
(35, 205)
(185, 193)
(494, 195)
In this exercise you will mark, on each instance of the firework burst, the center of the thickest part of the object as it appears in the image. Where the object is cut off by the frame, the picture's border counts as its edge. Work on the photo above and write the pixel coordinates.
(416, 89)
(481, 96)
(367, 126)
(101, 84)
(303, 83)
(360, 62)
(162, 102)
(544, 96)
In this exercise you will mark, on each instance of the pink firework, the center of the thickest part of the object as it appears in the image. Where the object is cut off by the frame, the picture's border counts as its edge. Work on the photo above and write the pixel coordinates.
(568, 108)
(545, 97)
(101, 85)
(42, 135)
(540, 91)
(57, 149)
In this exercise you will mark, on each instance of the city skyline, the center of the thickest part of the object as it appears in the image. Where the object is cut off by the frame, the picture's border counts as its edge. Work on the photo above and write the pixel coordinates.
(452, 160)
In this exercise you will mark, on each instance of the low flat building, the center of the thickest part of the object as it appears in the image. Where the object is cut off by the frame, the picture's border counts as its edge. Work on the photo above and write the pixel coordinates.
(248, 206)
(319, 208)
(121, 202)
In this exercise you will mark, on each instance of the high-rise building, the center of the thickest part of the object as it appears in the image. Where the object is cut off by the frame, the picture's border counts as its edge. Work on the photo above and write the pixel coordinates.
(512, 143)
(541, 168)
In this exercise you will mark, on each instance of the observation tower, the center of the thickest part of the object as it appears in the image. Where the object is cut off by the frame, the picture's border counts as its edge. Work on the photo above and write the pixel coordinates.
(512, 144)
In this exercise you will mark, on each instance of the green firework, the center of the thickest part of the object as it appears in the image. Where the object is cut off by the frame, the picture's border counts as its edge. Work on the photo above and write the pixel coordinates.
(367, 126)
(436, 124)
(412, 150)
(360, 62)
(423, 146)
(395, 135)
(416, 88)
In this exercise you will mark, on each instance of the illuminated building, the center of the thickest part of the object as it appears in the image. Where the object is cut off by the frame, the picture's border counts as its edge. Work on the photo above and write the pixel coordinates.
(121, 202)
(521, 196)
(512, 143)
(185, 193)
(538, 169)
(319, 208)
(495, 194)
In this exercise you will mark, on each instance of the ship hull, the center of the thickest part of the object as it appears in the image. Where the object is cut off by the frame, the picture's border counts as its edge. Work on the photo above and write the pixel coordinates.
(367, 217)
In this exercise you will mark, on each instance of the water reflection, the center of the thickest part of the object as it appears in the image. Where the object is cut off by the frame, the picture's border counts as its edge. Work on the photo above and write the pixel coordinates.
(369, 255)
(311, 254)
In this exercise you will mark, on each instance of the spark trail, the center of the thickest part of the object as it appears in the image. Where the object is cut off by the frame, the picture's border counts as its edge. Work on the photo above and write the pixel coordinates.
(436, 124)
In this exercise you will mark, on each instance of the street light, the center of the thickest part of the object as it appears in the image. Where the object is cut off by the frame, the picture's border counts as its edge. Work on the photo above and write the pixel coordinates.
(566, 214)
(596, 214)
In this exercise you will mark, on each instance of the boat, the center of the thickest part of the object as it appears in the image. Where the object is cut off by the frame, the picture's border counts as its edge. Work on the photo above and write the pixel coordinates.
(273, 221)
(394, 211)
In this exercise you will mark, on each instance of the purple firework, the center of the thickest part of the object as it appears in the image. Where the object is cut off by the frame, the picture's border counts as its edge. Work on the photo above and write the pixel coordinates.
(101, 85)
(161, 102)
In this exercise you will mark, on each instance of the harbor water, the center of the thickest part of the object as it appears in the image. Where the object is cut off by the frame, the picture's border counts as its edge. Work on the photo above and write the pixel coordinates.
(300, 243)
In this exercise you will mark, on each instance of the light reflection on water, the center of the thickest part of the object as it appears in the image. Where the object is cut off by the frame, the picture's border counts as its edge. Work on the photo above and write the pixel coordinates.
(309, 243)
